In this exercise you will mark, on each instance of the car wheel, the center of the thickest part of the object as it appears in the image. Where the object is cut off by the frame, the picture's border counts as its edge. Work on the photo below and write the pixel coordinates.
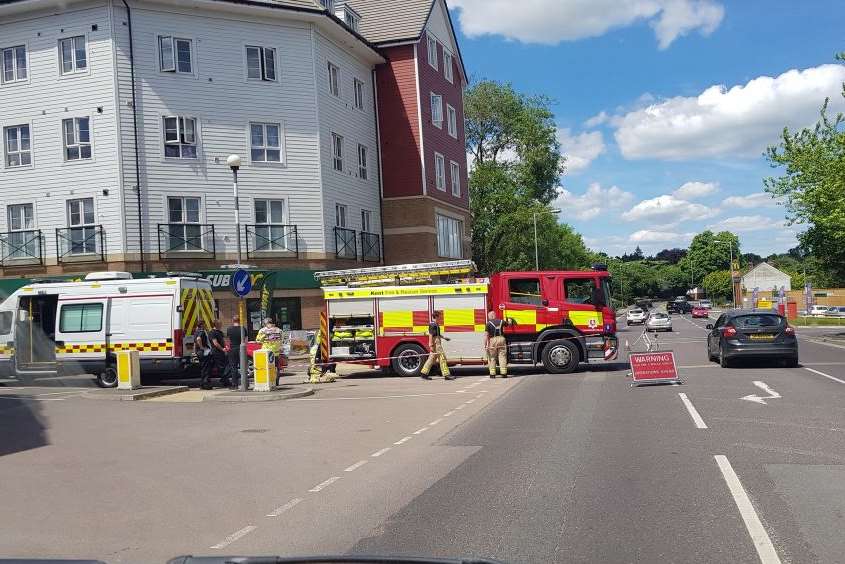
(107, 378)
(561, 356)
(723, 360)
(407, 359)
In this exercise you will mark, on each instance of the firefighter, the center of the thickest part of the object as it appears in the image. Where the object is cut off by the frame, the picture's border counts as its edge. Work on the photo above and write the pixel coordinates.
(435, 347)
(494, 342)
(318, 368)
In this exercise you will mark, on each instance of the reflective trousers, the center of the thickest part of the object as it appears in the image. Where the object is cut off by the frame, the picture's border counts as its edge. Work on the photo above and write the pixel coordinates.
(436, 355)
(497, 347)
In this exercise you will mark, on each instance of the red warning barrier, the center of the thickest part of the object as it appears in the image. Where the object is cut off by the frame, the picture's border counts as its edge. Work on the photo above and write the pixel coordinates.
(653, 367)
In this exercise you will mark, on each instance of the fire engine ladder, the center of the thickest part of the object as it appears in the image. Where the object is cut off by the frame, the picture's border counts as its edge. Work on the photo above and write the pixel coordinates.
(394, 274)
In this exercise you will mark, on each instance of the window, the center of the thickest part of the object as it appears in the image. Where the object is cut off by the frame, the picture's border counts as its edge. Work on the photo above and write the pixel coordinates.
(327, 4)
(525, 291)
(432, 51)
(366, 221)
(439, 172)
(578, 291)
(5, 322)
(358, 89)
(73, 55)
(447, 65)
(340, 215)
(83, 232)
(455, 178)
(81, 318)
(21, 220)
(77, 138)
(270, 225)
(451, 121)
(14, 64)
(184, 229)
(349, 18)
(18, 146)
(337, 152)
(180, 137)
(449, 235)
(175, 54)
(334, 79)
(265, 143)
(437, 110)
(362, 162)
(260, 63)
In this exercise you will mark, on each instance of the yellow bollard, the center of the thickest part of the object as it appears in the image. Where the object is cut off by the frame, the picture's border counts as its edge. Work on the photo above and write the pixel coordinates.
(265, 371)
(128, 370)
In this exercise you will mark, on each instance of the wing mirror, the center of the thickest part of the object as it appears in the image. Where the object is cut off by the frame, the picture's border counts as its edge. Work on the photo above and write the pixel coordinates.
(597, 297)
(709, 326)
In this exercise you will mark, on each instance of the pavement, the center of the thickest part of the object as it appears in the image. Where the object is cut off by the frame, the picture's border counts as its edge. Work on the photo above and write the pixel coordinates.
(534, 468)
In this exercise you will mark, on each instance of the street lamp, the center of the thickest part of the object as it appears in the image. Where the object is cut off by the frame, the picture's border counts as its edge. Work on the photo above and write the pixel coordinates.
(536, 250)
(234, 162)
(731, 266)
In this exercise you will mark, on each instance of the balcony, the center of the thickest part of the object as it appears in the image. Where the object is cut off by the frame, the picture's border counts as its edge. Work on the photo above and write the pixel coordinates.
(370, 247)
(80, 244)
(345, 243)
(271, 241)
(186, 240)
(21, 248)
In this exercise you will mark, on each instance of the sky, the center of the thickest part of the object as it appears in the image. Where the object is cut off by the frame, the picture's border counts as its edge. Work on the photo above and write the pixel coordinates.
(665, 108)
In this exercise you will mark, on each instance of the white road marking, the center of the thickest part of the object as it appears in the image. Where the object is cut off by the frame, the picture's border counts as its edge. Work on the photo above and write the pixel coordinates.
(233, 537)
(825, 375)
(759, 536)
(761, 399)
(693, 412)
(421, 430)
(470, 401)
(289, 505)
(460, 407)
(403, 440)
(449, 413)
(435, 422)
(378, 453)
(323, 485)
(355, 466)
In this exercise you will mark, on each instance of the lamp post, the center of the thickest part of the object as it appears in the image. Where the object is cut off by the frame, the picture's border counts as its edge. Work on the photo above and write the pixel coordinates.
(731, 266)
(536, 249)
(234, 162)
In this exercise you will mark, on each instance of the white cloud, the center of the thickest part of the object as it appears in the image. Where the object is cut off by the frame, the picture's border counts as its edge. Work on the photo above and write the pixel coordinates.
(599, 119)
(650, 236)
(693, 190)
(756, 200)
(746, 223)
(592, 202)
(553, 21)
(580, 150)
(668, 208)
(740, 121)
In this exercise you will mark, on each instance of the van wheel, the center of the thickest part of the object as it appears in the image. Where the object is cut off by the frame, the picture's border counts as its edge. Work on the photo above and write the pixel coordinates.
(107, 378)
(407, 359)
(561, 356)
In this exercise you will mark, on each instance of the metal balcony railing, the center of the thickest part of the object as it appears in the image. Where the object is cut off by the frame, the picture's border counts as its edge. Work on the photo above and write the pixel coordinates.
(21, 248)
(345, 242)
(266, 239)
(370, 247)
(80, 244)
(190, 238)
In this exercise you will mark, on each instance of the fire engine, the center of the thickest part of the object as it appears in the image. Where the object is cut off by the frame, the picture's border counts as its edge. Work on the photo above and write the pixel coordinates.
(379, 316)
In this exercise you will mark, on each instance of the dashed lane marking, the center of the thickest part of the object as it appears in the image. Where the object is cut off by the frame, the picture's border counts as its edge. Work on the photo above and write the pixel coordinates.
(355, 466)
(289, 505)
(233, 537)
(378, 453)
(323, 485)
(463, 405)
(449, 413)
(421, 430)
(403, 440)
(470, 401)
(435, 422)
(820, 373)
(693, 412)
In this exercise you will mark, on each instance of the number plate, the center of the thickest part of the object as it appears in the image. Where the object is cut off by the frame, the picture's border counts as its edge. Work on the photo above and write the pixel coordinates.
(761, 337)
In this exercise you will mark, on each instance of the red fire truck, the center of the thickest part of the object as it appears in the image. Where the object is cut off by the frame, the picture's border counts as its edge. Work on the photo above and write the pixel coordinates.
(379, 316)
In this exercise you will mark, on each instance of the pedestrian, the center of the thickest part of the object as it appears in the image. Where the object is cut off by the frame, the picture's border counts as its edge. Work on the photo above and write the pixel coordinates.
(494, 342)
(233, 335)
(218, 353)
(271, 337)
(435, 348)
(202, 348)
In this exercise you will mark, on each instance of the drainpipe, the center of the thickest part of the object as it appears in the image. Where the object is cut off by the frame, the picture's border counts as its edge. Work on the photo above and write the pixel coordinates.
(135, 132)
(378, 156)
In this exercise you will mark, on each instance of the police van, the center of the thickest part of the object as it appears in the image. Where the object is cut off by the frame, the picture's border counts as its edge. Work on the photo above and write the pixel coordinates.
(77, 327)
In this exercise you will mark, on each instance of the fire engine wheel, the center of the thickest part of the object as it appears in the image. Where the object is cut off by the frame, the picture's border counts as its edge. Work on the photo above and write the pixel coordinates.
(561, 356)
(107, 378)
(408, 359)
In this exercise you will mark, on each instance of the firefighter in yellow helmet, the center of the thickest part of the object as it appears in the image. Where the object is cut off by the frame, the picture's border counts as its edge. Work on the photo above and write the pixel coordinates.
(496, 345)
(435, 348)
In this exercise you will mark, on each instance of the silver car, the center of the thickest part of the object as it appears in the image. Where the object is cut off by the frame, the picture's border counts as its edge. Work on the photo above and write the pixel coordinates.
(636, 316)
(658, 321)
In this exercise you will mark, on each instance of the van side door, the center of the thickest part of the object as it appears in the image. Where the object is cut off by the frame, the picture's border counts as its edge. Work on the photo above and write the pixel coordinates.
(81, 328)
(7, 341)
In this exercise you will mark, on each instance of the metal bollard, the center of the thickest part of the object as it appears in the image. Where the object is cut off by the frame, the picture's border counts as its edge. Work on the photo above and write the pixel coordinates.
(265, 371)
(128, 370)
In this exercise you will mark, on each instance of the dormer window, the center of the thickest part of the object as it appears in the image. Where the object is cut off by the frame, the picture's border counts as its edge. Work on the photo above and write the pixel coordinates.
(348, 16)
(327, 4)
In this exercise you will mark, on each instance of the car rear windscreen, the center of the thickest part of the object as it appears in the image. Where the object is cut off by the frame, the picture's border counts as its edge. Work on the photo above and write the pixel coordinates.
(757, 320)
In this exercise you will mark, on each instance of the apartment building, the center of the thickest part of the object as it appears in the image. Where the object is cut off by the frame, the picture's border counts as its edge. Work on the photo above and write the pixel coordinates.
(118, 119)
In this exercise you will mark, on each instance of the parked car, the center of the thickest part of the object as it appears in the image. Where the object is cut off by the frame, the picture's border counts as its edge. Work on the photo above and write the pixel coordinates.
(705, 303)
(658, 321)
(701, 312)
(818, 311)
(835, 311)
(751, 333)
(635, 316)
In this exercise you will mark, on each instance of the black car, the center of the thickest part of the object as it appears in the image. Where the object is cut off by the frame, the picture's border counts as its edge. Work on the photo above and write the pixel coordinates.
(679, 307)
(749, 333)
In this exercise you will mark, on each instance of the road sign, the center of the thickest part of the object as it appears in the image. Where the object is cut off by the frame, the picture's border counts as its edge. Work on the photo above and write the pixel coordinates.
(241, 283)
(653, 368)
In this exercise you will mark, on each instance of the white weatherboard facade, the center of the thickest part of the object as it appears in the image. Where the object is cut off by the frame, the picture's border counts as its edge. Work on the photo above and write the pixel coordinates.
(766, 277)
(217, 97)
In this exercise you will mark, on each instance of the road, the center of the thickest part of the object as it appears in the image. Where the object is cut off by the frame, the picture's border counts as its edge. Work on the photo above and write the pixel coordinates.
(535, 468)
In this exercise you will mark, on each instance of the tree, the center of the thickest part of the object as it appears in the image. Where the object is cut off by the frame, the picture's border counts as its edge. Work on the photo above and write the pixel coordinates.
(751, 258)
(672, 256)
(813, 186)
(718, 284)
(705, 255)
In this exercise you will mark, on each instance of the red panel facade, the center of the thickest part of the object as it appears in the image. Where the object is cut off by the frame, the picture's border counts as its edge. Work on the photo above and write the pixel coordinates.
(399, 123)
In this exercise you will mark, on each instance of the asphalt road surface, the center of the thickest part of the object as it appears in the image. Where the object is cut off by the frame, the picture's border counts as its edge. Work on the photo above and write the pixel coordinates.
(535, 468)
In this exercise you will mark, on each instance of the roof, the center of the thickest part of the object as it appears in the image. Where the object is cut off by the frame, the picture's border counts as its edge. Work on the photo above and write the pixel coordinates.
(388, 21)
(765, 268)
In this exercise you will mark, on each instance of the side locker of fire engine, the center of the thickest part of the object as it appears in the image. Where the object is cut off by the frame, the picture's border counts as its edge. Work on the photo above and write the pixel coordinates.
(403, 332)
(352, 328)
(464, 319)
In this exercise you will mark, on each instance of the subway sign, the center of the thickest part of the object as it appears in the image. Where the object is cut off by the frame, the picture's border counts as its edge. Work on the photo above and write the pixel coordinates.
(223, 280)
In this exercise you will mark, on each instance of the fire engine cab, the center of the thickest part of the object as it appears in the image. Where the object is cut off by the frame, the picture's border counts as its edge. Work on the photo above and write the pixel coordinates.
(379, 316)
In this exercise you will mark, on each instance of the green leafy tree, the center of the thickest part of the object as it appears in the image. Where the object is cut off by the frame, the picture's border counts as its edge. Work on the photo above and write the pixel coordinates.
(717, 284)
(705, 255)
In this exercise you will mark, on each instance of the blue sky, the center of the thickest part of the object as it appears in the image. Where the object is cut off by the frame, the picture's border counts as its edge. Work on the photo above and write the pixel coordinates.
(664, 107)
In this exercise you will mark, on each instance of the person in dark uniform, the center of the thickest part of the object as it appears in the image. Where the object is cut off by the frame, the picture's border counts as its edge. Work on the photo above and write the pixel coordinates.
(202, 348)
(496, 345)
(233, 335)
(217, 341)
(435, 347)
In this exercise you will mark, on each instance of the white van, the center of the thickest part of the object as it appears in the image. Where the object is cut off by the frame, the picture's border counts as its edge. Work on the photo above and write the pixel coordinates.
(68, 327)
